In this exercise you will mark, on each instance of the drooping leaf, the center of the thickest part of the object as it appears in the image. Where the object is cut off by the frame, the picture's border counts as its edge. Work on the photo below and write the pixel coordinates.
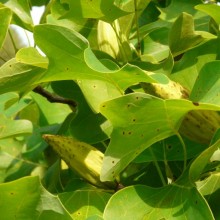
(186, 70)
(209, 188)
(21, 10)
(141, 121)
(210, 9)
(5, 18)
(32, 57)
(202, 160)
(39, 204)
(169, 202)
(207, 85)
(84, 203)
(18, 77)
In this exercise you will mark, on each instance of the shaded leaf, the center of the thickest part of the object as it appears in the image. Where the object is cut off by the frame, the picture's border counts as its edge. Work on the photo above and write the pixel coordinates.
(82, 204)
(209, 188)
(200, 162)
(207, 85)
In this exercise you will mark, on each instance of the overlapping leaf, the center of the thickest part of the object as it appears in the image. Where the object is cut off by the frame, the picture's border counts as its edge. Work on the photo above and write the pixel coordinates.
(169, 202)
(74, 60)
(141, 121)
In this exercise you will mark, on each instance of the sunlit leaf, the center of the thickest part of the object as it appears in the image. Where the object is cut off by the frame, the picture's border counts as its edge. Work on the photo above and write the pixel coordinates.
(5, 18)
(10, 128)
(169, 202)
(141, 121)
(98, 9)
(39, 204)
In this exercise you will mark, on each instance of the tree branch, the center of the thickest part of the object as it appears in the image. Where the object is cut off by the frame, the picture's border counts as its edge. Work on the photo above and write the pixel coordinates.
(54, 98)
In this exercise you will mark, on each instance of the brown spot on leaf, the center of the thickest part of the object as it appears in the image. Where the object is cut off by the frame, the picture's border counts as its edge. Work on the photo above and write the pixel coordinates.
(195, 103)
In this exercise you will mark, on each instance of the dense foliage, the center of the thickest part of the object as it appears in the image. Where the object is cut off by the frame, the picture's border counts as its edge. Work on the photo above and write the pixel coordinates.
(139, 80)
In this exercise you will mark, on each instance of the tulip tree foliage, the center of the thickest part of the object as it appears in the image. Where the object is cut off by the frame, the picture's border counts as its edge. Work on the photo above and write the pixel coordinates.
(128, 91)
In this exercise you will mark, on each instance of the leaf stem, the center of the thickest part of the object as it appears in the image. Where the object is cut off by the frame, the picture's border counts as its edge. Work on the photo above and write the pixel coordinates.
(158, 168)
(55, 98)
(184, 151)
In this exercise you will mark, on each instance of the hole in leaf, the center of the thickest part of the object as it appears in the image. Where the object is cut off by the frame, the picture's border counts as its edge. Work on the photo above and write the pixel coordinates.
(129, 132)
(123, 133)
(134, 120)
(113, 161)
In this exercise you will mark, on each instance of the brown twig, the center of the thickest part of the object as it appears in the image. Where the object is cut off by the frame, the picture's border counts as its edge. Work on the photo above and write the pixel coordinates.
(54, 98)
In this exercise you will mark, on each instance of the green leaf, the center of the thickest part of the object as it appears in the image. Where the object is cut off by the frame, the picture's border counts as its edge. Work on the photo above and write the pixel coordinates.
(209, 188)
(207, 85)
(99, 9)
(141, 121)
(201, 161)
(86, 126)
(182, 35)
(5, 18)
(156, 46)
(15, 76)
(21, 10)
(39, 204)
(76, 61)
(176, 7)
(170, 149)
(31, 56)
(11, 128)
(210, 9)
(51, 113)
(169, 202)
(84, 203)
(187, 69)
